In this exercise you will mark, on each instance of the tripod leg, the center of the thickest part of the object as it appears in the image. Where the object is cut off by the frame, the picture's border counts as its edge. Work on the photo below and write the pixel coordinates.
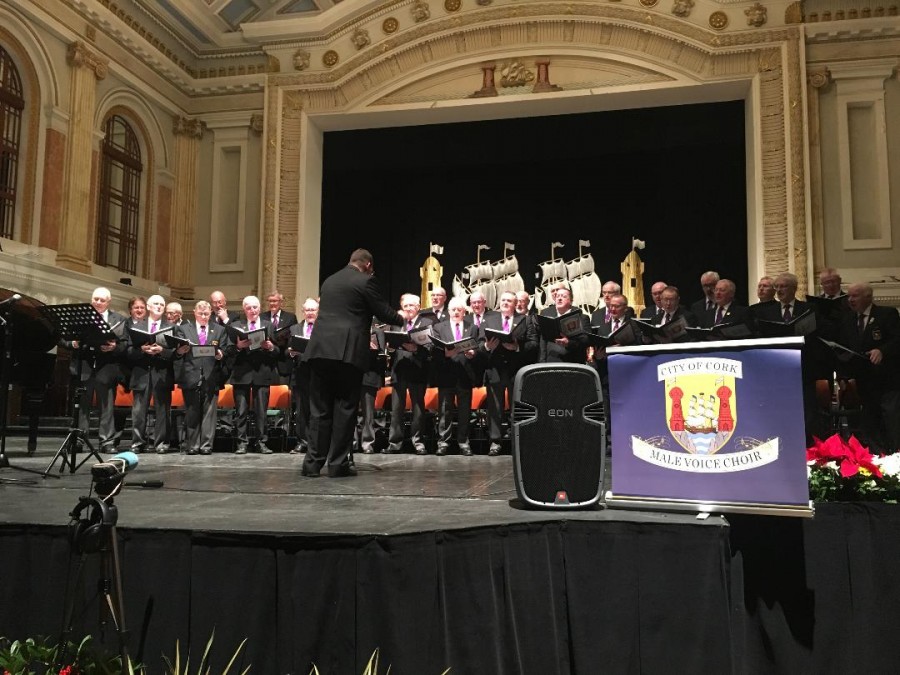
(115, 599)
(72, 583)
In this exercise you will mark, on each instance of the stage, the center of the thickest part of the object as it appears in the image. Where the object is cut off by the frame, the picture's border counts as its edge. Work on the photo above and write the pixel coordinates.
(432, 560)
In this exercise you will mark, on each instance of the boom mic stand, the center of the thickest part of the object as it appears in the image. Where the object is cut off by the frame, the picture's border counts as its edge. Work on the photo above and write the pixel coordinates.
(79, 322)
(6, 366)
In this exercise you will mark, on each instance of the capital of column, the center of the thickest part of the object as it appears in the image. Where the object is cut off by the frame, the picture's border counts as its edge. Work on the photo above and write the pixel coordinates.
(818, 77)
(80, 56)
(184, 126)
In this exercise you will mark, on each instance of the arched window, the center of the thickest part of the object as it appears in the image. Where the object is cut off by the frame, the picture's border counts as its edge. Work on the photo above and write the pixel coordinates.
(120, 197)
(11, 105)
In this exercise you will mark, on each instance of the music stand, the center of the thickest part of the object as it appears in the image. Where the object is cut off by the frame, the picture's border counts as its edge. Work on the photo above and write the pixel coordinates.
(6, 365)
(83, 323)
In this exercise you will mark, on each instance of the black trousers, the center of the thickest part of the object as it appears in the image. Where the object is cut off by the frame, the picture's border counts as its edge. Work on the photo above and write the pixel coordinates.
(162, 406)
(334, 390)
(461, 395)
(200, 417)
(242, 408)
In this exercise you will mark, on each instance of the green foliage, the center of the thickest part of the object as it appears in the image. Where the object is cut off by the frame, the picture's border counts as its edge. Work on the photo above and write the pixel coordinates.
(39, 656)
(371, 666)
(177, 668)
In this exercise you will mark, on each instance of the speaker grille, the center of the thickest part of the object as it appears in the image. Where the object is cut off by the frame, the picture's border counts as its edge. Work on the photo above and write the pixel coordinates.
(559, 434)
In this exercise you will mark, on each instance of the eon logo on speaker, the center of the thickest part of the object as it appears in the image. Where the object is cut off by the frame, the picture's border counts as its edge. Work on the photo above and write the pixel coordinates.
(561, 412)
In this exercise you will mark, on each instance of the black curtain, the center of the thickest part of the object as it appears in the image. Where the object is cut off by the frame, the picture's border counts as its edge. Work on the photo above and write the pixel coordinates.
(673, 176)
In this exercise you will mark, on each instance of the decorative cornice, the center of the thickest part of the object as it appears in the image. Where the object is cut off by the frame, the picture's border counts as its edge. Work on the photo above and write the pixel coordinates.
(79, 56)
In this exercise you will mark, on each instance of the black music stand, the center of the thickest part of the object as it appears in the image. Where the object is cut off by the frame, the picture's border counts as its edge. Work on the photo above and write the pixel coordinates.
(6, 366)
(83, 323)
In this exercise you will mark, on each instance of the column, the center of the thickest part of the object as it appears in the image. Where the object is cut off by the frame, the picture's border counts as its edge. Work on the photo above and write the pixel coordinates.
(188, 133)
(77, 234)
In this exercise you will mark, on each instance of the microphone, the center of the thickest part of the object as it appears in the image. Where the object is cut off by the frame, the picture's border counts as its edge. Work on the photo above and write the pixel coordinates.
(11, 300)
(116, 466)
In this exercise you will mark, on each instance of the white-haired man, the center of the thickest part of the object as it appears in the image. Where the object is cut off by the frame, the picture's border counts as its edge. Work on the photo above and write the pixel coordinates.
(254, 357)
(152, 375)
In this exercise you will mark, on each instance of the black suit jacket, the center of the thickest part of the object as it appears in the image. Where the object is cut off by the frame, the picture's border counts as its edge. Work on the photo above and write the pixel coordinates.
(142, 363)
(882, 332)
(679, 313)
(773, 311)
(255, 367)
(411, 366)
(698, 308)
(457, 370)
(285, 318)
(191, 371)
(105, 368)
(348, 300)
(651, 312)
(502, 364)
(735, 314)
(574, 352)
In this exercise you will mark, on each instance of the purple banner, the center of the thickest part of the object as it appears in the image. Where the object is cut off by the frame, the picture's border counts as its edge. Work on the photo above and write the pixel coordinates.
(722, 425)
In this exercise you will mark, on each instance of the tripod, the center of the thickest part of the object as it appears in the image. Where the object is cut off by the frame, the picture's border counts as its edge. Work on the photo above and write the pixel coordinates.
(6, 366)
(83, 323)
(96, 533)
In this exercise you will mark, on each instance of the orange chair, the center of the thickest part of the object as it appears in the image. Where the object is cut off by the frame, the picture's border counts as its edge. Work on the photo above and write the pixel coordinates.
(226, 397)
(479, 397)
(431, 399)
(177, 397)
(280, 397)
(381, 398)
(124, 399)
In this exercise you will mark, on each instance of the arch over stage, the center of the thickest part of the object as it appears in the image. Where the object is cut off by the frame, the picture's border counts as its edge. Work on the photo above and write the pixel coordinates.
(607, 57)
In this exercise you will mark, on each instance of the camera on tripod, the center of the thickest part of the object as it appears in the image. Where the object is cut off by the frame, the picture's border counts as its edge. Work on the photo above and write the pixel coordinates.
(109, 476)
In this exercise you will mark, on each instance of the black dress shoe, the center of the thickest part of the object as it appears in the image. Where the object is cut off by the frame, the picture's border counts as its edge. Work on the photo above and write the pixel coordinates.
(206, 452)
(309, 473)
(241, 450)
(192, 452)
(465, 450)
(421, 450)
(442, 449)
(369, 451)
(266, 450)
(494, 450)
(341, 472)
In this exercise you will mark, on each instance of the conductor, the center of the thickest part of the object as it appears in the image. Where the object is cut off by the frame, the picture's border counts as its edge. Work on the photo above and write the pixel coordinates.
(338, 355)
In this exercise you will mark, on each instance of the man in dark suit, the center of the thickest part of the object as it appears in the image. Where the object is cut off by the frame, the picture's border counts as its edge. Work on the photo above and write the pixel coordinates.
(455, 375)
(478, 303)
(221, 314)
(438, 310)
(253, 370)
(280, 319)
(300, 375)
(200, 377)
(152, 375)
(338, 354)
(409, 373)
(875, 332)
(725, 310)
(174, 313)
(765, 293)
(784, 309)
(372, 382)
(654, 312)
(672, 310)
(100, 372)
(564, 349)
(708, 281)
(830, 281)
(501, 362)
(603, 313)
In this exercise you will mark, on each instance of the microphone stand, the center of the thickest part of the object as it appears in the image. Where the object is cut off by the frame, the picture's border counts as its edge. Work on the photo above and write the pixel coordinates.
(5, 369)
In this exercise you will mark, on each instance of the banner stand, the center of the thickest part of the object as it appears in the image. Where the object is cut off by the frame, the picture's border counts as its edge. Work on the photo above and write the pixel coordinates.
(709, 427)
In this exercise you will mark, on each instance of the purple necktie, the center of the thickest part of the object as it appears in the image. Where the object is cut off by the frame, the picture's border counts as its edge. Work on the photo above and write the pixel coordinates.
(667, 318)
(862, 324)
(719, 314)
(252, 325)
(478, 319)
(506, 325)
(409, 325)
(608, 318)
(275, 320)
(787, 313)
(202, 338)
(153, 327)
(458, 333)
(308, 329)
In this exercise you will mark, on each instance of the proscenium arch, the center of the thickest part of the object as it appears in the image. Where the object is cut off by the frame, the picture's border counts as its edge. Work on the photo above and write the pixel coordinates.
(761, 67)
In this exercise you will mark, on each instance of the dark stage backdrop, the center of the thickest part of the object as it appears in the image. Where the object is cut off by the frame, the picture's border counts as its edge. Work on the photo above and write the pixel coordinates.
(673, 176)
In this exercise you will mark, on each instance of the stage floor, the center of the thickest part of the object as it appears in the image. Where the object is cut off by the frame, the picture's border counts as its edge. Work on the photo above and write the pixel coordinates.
(393, 494)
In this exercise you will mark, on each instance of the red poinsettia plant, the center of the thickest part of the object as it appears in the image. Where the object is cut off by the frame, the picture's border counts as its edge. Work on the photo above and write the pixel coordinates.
(842, 469)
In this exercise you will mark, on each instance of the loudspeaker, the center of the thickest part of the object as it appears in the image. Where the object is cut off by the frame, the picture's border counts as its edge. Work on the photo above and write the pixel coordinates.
(558, 435)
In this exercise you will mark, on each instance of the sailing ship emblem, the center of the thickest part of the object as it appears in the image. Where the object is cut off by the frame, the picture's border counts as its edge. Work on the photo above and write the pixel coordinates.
(701, 402)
